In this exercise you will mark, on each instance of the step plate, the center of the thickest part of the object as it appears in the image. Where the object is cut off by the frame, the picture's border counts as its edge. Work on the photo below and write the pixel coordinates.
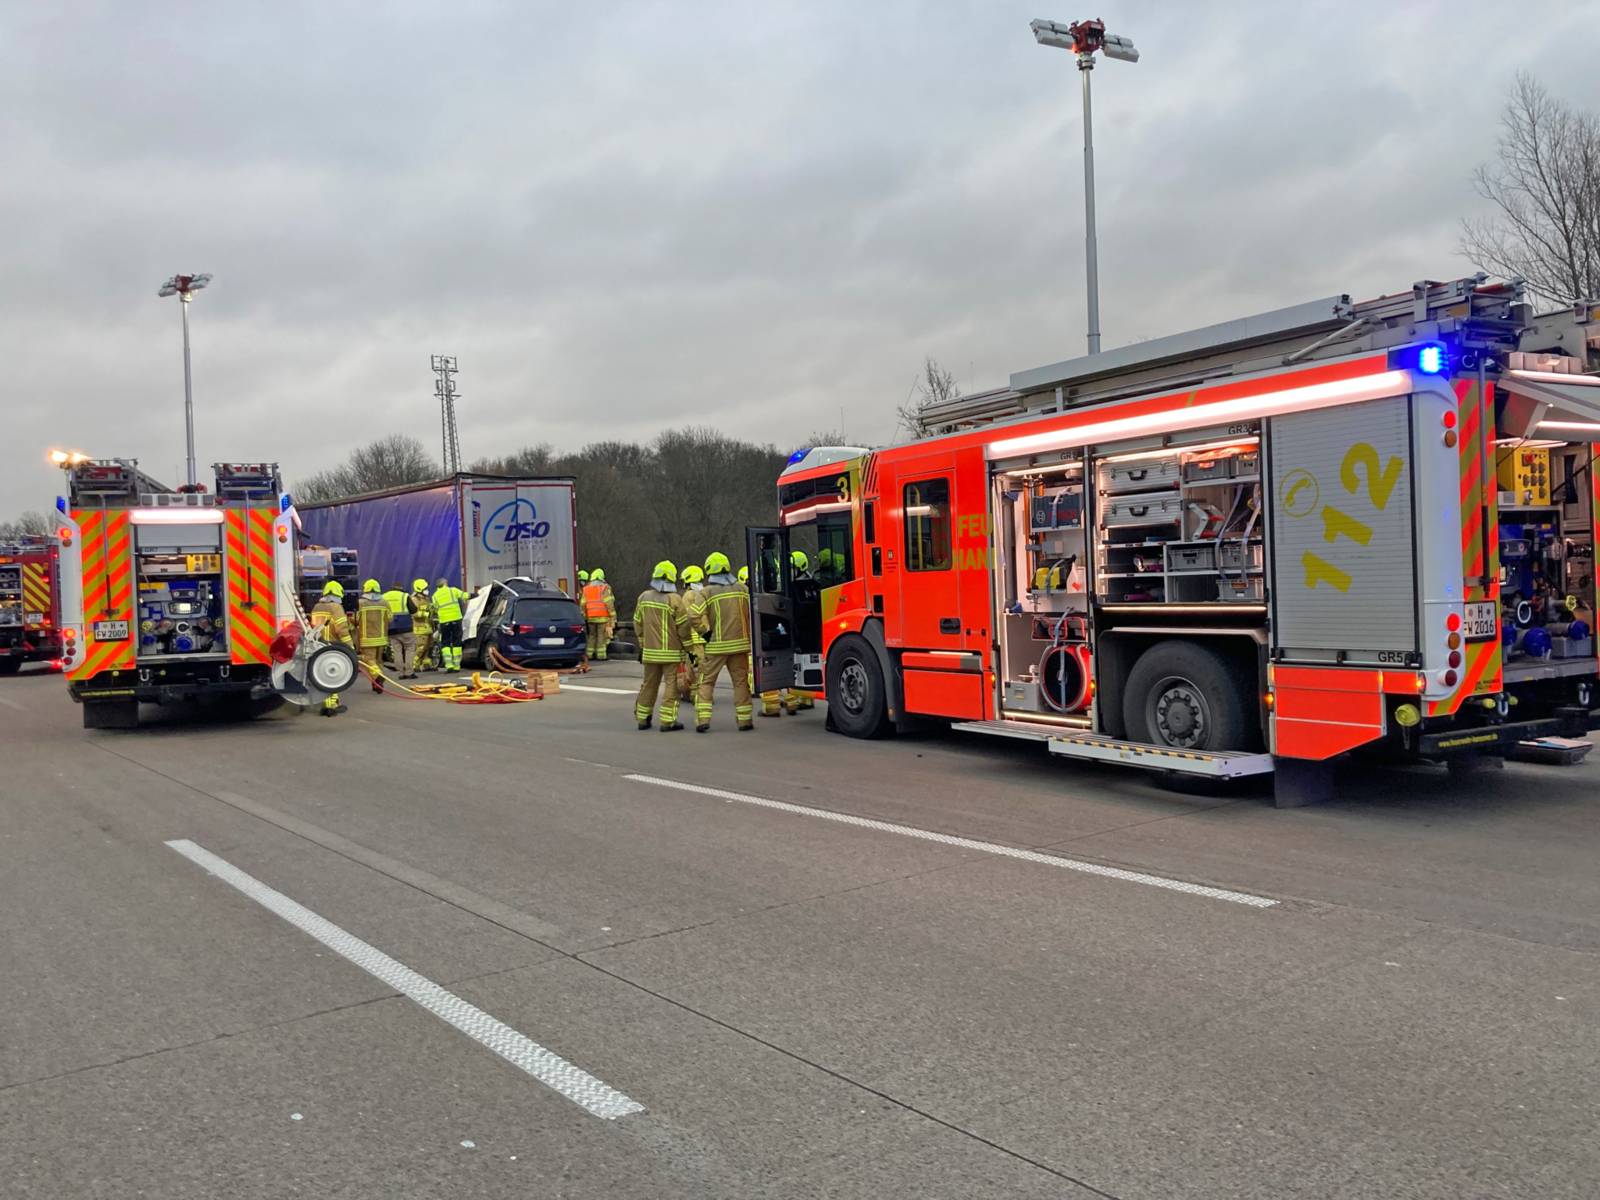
(1069, 743)
(1228, 764)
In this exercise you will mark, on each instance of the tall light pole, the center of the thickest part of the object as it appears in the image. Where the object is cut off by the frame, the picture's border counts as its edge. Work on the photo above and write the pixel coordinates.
(444, 387)
(1083, 38)
(184, 287)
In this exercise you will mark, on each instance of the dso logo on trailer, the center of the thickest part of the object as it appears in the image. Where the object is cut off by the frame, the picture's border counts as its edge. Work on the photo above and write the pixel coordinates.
(514, 521)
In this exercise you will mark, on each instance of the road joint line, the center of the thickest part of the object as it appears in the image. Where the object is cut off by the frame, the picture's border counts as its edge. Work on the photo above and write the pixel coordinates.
(946, 839)
(590, 1093)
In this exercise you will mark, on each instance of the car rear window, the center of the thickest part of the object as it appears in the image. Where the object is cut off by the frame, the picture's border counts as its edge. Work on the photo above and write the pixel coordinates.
(535, 612)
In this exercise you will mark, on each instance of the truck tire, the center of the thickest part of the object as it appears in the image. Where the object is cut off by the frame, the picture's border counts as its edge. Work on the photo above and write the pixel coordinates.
(111, 714)
(857, 699)
(1186, 696)
(10, 666)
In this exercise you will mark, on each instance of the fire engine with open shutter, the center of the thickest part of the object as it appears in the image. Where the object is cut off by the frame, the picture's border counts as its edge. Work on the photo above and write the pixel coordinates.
(184, 595)
(1254, 547)
(30, 618)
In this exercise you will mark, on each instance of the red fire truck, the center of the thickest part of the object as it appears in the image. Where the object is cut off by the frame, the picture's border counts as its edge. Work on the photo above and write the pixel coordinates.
(1255, 547)
(30, 614)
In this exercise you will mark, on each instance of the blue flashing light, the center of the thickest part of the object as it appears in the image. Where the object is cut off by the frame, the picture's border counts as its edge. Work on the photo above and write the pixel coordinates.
(61, 504)
(285, 502)
(1431, 360)
(799, 455)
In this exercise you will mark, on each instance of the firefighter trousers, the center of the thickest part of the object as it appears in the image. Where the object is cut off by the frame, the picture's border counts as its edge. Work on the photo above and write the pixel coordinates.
(737, 666)
(598, 640)
(403, 653)
(662, 678)
(424, 650)
(372, 659)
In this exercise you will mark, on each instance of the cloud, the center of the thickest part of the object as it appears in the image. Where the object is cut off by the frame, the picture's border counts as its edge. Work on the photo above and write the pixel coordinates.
(625, 218)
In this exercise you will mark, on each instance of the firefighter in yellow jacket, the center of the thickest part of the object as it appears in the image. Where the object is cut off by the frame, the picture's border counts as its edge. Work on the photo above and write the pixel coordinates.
(661, 620)
(599, 612)
(447, 602)
(372, 630)
(422, 623)
(693, 580)
(722, 613)
(329, 622)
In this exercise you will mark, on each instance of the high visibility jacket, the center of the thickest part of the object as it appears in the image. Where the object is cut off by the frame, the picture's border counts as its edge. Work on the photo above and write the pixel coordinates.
(399, 610)
(447, 602)
(372, 622)
(421, 612)
(328, 619)
(598, 602)
(661, 619)
(722, 612)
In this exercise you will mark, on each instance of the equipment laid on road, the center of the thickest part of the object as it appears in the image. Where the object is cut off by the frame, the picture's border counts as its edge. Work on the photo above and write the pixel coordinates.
(30, 612)
(183, 596)
(470, 529)
(1258, 546)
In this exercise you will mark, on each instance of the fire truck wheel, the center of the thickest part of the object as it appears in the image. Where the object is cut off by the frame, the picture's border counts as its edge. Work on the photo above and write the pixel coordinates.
(1188, 697)
(856, 701)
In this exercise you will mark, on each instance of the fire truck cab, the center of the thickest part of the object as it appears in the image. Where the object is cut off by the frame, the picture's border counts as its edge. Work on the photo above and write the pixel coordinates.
(1256, 547)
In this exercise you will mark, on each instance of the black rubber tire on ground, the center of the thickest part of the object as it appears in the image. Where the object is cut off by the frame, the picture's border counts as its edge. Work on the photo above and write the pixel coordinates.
(111, 714)
(10, 666)
(1187, 696)
(858, 700)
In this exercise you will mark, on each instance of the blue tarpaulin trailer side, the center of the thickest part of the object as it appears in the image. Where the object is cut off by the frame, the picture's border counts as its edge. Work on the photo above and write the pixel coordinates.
(470, 530)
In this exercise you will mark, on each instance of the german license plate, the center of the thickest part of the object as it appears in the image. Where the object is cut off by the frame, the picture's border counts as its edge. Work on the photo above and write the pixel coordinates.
(552, 641)
(110, 631)
(1480, 620)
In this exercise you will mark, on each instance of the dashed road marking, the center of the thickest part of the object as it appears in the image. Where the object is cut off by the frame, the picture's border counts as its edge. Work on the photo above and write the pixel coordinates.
(946, 839)
(583, 1089)
(10, 703)
(589, 687)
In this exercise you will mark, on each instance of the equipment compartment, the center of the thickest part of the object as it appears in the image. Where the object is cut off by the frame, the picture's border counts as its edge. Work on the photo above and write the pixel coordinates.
(1144, 475)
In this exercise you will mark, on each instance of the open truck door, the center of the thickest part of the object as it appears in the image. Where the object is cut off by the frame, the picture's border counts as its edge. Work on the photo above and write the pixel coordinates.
(771, 608)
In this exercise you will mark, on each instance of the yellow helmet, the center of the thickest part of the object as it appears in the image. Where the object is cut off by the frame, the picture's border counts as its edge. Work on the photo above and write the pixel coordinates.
(333, 588)
(799, 561)
(665, 570)
(419, 585)
(744, 574)
(717, 564)
(372, 585)
(692, 574)
(583, 576)
(597, 576)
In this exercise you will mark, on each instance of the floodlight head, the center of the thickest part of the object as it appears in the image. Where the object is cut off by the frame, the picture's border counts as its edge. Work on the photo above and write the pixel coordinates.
(183, 285)
(1052, 33)
(1120, 48)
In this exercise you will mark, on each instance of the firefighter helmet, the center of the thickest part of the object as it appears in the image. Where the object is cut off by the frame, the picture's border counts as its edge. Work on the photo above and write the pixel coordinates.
(665, 570)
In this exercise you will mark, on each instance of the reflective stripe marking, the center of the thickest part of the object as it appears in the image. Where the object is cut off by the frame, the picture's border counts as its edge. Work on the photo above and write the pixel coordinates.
(945, 839)
(549, 1068)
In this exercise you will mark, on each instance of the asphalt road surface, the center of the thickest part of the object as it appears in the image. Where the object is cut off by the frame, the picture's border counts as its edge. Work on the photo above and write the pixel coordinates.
(527, 951)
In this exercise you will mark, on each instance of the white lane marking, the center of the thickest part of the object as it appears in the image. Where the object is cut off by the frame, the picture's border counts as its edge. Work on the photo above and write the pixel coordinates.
(549, 1068)
(588, 687)
(10, 703)
(945, 839)
(587, 763)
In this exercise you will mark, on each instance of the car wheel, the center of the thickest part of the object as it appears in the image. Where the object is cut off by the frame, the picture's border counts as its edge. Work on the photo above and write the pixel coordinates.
(857, 699)
(1185, 696)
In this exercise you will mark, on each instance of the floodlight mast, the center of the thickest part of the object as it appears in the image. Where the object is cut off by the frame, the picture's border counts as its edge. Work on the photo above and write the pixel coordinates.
(1083, 38)
(184, 287)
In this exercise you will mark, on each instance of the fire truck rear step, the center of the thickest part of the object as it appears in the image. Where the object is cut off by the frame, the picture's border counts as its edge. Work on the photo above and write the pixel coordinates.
(1070, 743)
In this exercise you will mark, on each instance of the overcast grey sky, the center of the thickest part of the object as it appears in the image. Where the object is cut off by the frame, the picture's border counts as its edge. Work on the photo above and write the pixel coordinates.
(622, 218)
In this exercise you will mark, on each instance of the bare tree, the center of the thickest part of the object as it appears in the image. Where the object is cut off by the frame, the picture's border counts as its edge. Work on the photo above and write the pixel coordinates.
(1545, 186)
(933, 386)
(30, 524)
(388, 462)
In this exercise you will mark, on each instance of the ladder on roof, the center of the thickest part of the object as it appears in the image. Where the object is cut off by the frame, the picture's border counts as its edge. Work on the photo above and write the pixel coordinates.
(1493, 313)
